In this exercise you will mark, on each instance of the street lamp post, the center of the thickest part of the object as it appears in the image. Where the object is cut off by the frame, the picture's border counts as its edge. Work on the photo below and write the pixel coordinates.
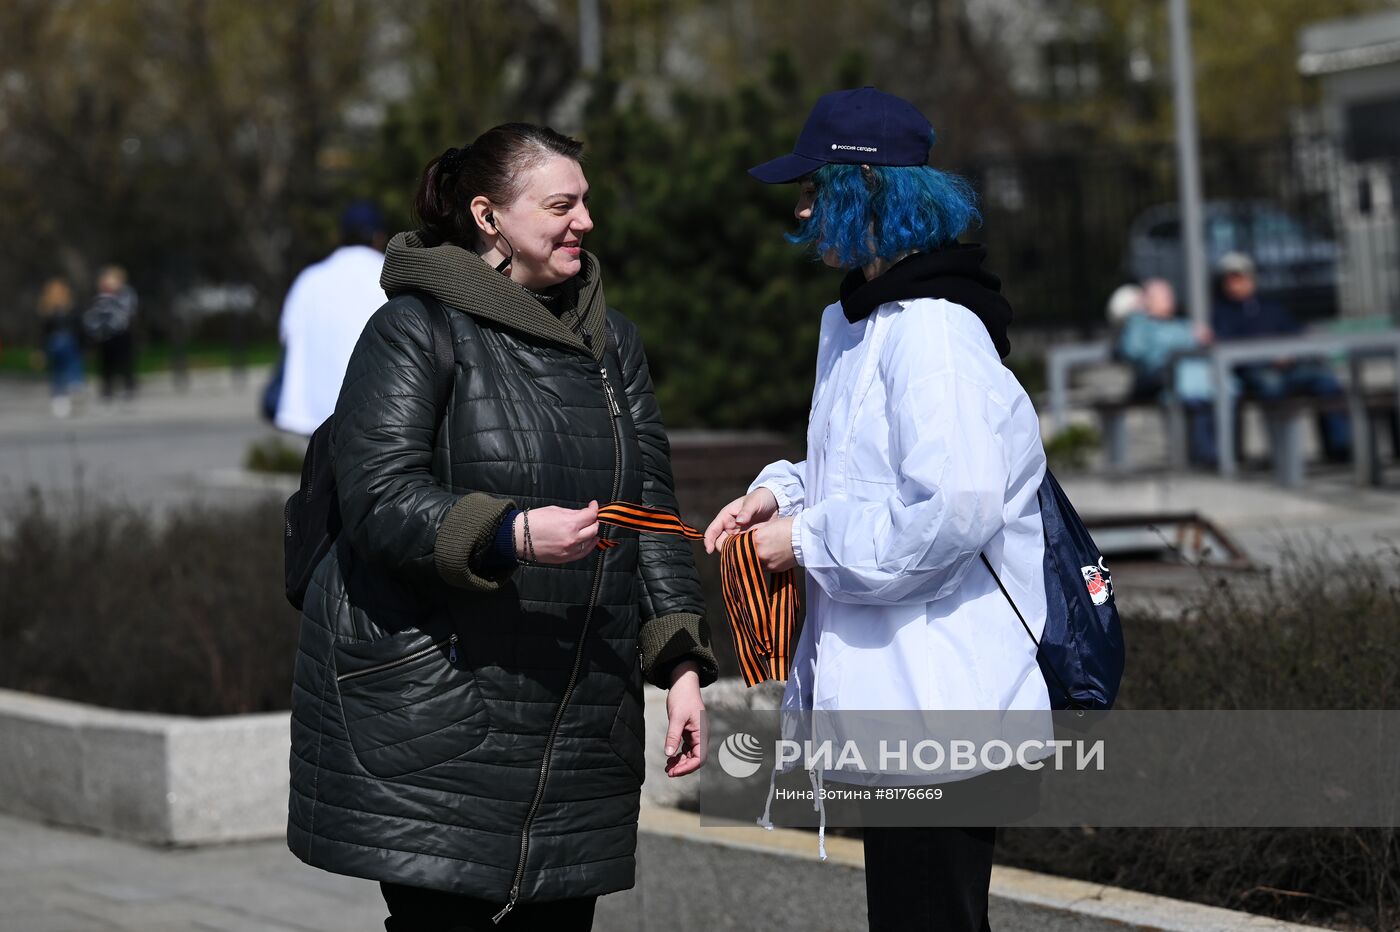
(1188, 164)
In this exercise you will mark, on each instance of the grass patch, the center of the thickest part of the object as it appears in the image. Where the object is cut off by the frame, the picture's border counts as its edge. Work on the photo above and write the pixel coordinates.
(276, 455)
(25, 362)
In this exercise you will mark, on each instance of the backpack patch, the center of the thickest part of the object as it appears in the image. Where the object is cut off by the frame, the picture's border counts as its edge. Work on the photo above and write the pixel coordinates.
(1099, 581)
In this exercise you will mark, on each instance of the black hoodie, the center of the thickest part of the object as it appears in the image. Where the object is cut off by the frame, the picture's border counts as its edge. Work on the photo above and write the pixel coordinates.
(953, 273)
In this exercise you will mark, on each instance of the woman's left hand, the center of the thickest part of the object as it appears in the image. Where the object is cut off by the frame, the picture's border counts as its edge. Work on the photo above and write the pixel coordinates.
(687, 731)
(772, 541)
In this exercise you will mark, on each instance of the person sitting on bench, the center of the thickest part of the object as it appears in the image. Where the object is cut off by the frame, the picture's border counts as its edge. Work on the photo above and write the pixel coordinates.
(1240, 314)
(1150, 334)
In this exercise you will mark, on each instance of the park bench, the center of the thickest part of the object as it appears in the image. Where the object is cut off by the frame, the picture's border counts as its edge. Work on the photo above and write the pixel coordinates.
(1112, 416)
(1285, 418)
(1288, 422)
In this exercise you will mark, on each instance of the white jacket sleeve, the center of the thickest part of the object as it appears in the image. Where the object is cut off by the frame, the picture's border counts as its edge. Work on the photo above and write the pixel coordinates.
(786, 481)
(948, 502)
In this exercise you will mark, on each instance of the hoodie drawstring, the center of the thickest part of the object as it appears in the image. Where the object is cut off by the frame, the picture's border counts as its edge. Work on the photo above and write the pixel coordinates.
(819, 804)
(764, 820)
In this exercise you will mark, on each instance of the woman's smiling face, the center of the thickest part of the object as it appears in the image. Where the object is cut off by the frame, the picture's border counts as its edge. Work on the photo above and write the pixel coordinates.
(546, 224)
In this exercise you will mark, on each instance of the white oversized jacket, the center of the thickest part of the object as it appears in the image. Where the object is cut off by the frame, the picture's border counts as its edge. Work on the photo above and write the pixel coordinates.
(922, 452)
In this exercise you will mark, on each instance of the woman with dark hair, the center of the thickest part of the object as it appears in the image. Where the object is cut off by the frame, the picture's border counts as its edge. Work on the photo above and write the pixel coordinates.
(467, 707)
(923, 455)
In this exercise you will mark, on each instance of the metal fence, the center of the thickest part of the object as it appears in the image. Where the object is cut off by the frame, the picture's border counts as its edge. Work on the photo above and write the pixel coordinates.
(1064, 230)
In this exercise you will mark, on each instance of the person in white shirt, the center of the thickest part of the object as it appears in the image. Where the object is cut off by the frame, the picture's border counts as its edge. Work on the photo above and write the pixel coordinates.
(326, 309)
(923, 453)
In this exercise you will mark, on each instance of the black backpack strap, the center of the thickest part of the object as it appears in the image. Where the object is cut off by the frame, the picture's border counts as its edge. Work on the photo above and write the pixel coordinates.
(1063, 688)
(443, 357)
(988, 564)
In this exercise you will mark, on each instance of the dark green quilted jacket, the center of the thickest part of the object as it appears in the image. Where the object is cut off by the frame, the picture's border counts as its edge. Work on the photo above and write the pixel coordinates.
(475, 734)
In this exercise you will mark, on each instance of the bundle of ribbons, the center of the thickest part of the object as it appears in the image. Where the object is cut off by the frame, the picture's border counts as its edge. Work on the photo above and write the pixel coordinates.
(762, 610)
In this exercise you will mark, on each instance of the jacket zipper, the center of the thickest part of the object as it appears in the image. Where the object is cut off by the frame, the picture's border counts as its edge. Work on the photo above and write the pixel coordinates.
(450, 643)
(614, 412)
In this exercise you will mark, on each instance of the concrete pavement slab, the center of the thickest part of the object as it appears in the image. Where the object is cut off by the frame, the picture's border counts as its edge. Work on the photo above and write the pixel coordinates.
(119, 885)
(691, 878)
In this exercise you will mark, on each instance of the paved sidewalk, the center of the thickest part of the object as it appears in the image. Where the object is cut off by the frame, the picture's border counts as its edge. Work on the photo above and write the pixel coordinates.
(690, 879)
(60, 880)
(165, 448)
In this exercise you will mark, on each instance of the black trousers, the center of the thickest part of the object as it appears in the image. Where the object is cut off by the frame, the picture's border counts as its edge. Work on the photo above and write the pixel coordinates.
(928, 879)
(414, 909)
(117, 359)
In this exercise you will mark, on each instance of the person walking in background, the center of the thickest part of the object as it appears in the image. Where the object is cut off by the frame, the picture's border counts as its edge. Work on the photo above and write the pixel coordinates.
(109, 323)
(61, 331)
(1240, 314)
(923, 451)
(1147, 340)
(323, 315)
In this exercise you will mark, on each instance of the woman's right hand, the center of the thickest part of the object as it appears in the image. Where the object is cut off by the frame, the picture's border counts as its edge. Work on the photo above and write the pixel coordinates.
(558, 535)
(740, 515)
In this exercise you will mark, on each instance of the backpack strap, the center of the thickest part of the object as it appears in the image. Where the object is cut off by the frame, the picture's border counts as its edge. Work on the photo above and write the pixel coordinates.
(988, 564)
(442, 348)
(1063, 688)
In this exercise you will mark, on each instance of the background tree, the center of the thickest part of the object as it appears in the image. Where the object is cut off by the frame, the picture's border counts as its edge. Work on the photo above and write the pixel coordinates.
(1247, 81)
(693, 249)
(181, 140)
(215, 141)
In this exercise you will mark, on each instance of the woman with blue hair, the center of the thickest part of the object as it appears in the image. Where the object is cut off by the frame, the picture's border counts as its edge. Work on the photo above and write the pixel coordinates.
(923, 455)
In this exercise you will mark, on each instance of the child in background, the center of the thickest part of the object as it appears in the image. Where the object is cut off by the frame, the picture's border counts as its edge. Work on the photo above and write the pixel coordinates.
(63, 352)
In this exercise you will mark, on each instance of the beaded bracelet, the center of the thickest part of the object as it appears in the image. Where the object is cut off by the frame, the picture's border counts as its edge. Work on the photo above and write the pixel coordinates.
(529, 559)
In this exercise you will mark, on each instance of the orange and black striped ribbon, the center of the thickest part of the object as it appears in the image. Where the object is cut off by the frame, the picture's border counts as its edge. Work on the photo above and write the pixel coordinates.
(762, 611)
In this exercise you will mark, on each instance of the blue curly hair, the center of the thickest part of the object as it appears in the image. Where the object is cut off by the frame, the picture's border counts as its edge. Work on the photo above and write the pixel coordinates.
(884, 211)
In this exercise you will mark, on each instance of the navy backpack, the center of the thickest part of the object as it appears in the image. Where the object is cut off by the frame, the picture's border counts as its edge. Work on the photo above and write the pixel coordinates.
(1081, 649)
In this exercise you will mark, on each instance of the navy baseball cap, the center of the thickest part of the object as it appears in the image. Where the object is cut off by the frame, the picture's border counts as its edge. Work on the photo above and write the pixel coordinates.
(864, 126)
(361, 218)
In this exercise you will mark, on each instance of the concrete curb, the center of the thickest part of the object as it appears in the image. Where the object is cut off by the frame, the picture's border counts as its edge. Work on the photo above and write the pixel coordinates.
(163, 779)
(777, 875)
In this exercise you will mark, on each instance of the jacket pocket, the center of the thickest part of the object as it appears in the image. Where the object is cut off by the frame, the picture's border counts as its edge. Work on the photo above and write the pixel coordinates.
(627, 736)
(410, 702)
(627, 745)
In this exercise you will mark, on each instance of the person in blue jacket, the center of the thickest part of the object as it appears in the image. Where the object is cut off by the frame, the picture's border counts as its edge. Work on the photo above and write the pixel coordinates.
(1148, 340)
(1240, 314)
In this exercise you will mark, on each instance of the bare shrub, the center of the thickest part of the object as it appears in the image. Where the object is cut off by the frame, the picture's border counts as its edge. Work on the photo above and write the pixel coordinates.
(109, 607)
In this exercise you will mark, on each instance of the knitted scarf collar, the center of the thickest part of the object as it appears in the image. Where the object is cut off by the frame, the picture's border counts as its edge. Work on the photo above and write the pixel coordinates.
(460, 278)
